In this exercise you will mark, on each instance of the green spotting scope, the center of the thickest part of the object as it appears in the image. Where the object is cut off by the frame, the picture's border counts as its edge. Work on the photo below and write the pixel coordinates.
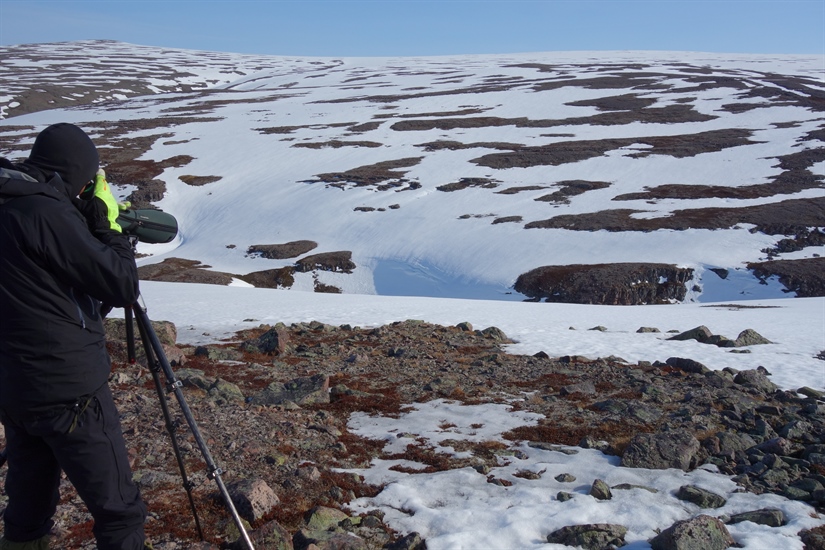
(148, 225)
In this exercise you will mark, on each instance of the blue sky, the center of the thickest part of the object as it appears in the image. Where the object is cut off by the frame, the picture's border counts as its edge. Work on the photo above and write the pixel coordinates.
(425, 27)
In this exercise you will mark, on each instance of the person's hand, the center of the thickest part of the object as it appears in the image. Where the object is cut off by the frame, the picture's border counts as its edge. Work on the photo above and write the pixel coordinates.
(101, 209)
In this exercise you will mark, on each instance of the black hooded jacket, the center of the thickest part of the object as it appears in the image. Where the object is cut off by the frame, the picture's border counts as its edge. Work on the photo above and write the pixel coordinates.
(53, 275)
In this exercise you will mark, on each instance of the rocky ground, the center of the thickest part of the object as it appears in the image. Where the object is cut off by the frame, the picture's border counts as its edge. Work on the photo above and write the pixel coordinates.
(273, 407)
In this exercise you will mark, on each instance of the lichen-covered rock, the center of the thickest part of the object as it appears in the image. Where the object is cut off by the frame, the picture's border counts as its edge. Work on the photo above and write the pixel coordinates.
(750, 337)
(600, 490)
(596, 536)
(757, 379)
(660, 451)
(270, 535)
(772, 517)
(699, 533)
(700, 497)
(304, 390)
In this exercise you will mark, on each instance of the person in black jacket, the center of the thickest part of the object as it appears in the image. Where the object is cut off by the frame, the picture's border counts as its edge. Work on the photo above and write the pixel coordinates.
(61, 258)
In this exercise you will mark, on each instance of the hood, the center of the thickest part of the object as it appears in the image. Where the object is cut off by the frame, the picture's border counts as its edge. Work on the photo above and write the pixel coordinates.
(66, 150)
(16, 183)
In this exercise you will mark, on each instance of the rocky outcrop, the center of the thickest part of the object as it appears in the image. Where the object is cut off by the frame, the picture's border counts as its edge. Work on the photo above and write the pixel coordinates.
(703, 335)
(610, 284)
(327, 261)
(805, 277)
(282, 251)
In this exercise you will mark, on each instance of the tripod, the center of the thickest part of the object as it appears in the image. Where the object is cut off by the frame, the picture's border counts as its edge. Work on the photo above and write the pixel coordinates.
(157, 361)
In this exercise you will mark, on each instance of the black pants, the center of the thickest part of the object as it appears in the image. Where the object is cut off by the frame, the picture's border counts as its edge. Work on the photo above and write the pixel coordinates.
(93, 455)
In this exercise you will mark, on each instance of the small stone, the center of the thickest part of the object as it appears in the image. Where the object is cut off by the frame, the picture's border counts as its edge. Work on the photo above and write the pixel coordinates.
(565, 478)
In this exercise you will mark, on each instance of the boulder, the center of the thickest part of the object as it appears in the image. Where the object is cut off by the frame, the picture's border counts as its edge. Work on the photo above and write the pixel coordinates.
(270, 535)
(700, 497)
(596, 536)
(687, 365)
(304, 390)
(699, 533)
(750, 337)
(600, 490)
(253, 498)
(273, 341)
(660, 451)
(700, 334)
(756, 379)
(772, 517)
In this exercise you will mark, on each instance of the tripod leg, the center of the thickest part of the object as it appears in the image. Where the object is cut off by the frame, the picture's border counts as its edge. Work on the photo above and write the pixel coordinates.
(174, 386)
(154, 368)
(130, 336)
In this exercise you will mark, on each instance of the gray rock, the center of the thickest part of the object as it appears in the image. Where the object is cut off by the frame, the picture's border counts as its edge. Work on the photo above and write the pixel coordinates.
(700, 334)
(700, 497)
(731, 442)
(777, 445)
(597, 536)
(327, 540)
(305, 390)
(216, 353)
(772, 517)
(750, 337)
(565, 478)
(600, 490)
(687, 365)
(253, 498)
(225, 392)
(413, 541)
(812, 450)
(322, 518)
(796, 429)
(643, 330)
(273, 341)
(564, 496)
(496, 334)
(661, 451)
(756, 379)
(810, 392)
(269, 535)
(699, 533)
(813, 540)
(721, 341)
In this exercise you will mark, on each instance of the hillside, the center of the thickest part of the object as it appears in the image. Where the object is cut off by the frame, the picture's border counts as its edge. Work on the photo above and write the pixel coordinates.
(612, 177)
